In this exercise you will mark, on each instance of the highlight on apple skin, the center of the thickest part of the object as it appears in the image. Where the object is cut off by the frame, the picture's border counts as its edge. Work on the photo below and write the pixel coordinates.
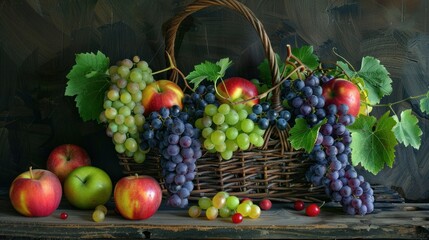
(36, 193)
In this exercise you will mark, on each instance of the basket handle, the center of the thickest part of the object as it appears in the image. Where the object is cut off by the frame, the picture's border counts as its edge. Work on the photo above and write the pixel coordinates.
(197, 5)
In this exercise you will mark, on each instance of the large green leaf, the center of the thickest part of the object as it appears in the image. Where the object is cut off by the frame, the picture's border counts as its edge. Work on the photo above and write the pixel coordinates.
(302, 136)
(374, 142)
(407, 130)
(87, 80)
(376, 78)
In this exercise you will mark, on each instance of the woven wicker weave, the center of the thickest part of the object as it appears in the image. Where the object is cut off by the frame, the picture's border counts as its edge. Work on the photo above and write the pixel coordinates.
(274, 171)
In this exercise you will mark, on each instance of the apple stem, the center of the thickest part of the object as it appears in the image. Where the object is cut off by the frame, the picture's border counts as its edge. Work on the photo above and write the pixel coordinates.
(31, 172)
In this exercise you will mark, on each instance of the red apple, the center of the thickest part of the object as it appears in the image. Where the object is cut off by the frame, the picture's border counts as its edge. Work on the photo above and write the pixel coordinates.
(341, 91)
(137, 197)
(237, 88)
(36, 193)
(161, 93)
(65, 158)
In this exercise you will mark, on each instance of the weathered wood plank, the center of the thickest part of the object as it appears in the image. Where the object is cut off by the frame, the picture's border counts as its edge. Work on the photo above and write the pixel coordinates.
(394, 220)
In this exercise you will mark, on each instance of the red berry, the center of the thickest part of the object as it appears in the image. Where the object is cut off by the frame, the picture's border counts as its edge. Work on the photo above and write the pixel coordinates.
(312, 210)
(64, 215)
(265, 204)
(237, 218)
(299, 205)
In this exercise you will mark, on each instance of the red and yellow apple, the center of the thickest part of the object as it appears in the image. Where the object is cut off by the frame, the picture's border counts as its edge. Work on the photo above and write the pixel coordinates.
(87, 187)
(36, 193)
(341, 91)
(237, 88)
(65, 158)
(137, 197)
(161, 93)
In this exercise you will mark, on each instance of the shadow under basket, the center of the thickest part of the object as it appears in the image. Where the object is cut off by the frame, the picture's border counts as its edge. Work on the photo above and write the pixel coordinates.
(267, 172)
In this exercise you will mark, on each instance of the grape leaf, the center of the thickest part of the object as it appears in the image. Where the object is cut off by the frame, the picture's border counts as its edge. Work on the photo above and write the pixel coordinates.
(265, 72)
(307, 56)
(208, 70)
(302, 136)
(376, 78)
(87, 80)
(373, 142)
(424, 103)
(407, 131)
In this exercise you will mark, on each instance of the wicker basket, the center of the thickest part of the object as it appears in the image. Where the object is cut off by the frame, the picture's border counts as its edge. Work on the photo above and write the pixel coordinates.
(274, 171)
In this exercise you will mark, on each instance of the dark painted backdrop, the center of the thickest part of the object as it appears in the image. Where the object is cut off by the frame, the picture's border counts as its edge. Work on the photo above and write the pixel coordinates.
(39, 39)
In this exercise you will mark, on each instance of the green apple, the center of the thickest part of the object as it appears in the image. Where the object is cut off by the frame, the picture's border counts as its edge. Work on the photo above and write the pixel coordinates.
(87, 187)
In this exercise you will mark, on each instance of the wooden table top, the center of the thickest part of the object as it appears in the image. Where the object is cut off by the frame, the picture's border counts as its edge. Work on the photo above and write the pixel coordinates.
(392, 219)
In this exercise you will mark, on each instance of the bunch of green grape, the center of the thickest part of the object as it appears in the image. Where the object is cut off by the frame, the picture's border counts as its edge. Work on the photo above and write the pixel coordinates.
(123, 110)
(224, 205)
(226, 129)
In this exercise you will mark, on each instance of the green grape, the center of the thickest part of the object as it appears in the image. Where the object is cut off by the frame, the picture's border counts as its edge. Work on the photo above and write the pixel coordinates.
(110, 113)
(127, 63)
(139, 156)
(258, 130)
(206, 132)
(218, 118)
(131, 144)
(210, 110)
(142, 85)
(212, 213)
(139, 120)
(242, 114)
(125, 97)
(208, 144)
(221, 147)
(121, 83)
(120, 148)
(119, 119)
(123, 71)
(232, 202)
(232, 117)
(226, 154)
(133, 87)
(119, 138)
(143, 65)
(204, 203)
(131, 105)
(113, 127)
(132, 129)
(231, 145)
(194, 211)
(122, 128)
(125, 110)
(259, 141)
(255, 211)
(243, 141)
(240, 106)
(138, 109)
(224, 108)
(247, 125)
(98, 216)
(199, 124)
(206, 121)
(223, 127)
(107, 104)
(101, 208)
(136, 75)
(147, 77)
(113, 70)
(224, 212)
(248, 201)
(231, 133)
(253, 138)
(117, 104)
(217, 137)
(219, 200)
(129, 121)
(243, 209)
(137, 97)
